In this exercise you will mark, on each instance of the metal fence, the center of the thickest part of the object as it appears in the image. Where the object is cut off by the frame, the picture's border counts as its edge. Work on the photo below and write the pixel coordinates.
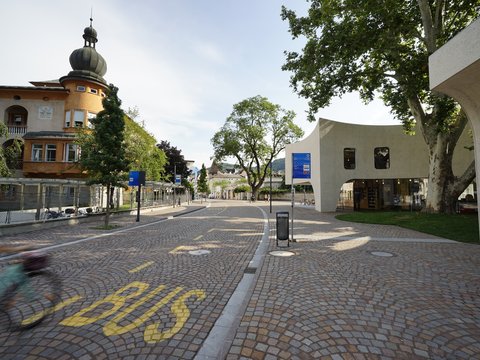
(25, 199)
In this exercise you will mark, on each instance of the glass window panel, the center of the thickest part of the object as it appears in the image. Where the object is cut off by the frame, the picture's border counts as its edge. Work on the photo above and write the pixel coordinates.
(78, 117)
(349, 158)
(37, 152)
(67, 119)
(50, 152)
(382, 157)
(71, 153)
(90, 116)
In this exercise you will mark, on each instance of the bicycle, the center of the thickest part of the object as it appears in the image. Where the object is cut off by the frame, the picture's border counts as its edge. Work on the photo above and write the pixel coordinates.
(28, 291)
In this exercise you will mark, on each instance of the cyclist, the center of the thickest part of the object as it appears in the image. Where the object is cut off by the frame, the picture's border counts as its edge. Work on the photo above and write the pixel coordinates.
(26, 284)
(13, 273)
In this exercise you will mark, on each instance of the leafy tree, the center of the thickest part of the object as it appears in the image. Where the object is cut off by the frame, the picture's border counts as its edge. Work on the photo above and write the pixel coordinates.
(134, 114)
(202, 185)
(241, 189)
(9, 154)
(382, 47)
(4, 170)
(13, 154)
(142, 152)
(103, 148)
(222, 184)
(176, 163)
(254, 134)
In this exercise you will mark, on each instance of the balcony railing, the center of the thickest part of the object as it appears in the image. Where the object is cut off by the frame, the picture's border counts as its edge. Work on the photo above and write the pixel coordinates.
(17, 130)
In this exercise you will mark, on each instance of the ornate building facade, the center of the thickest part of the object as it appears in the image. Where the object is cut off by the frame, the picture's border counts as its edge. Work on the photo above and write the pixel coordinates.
(46, 115)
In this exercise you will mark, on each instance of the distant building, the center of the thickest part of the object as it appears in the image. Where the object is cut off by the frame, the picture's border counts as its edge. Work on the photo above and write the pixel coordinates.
(367, 166)
(223, 179)
(45, 116)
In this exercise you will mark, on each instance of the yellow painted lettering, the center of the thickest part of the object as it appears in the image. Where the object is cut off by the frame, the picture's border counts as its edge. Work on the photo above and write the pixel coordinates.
(115, 302)
(181, 311)
(113, 327)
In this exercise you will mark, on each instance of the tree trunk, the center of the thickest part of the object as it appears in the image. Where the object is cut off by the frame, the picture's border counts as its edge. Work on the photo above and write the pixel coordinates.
(440, 176)
(255, 189)
(444, 187)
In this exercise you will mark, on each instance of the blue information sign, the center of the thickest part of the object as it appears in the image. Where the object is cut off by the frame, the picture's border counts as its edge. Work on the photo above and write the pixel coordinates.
(178, 179)
(301, 167)
(136, 178)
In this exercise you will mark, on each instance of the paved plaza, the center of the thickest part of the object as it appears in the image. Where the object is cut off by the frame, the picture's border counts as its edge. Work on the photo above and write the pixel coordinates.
(209, 282)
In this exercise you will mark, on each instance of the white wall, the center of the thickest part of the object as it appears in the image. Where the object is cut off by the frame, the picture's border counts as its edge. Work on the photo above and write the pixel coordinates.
(408, 156)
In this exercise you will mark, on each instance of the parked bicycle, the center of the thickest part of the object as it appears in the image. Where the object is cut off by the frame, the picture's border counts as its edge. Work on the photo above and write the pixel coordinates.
(52, 214)
(28, 291)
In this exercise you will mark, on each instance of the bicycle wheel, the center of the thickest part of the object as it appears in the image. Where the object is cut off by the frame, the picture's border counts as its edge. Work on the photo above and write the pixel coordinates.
(4, 318)
(33, 300)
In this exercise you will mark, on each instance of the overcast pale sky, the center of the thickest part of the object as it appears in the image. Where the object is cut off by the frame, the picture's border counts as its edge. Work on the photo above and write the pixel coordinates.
(183, 63)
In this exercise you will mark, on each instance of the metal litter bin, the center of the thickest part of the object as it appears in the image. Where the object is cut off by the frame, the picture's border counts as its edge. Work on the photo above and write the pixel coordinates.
(283, 226)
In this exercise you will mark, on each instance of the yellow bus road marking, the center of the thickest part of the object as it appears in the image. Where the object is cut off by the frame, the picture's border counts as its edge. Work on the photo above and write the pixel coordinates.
(185, 248)
(182, 248)
(127, 315)
(141, 267)
(198, 237)
(57, 307)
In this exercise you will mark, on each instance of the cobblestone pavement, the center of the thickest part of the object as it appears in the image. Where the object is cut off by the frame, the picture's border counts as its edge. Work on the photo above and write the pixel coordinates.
(163, 289)
(335, 298)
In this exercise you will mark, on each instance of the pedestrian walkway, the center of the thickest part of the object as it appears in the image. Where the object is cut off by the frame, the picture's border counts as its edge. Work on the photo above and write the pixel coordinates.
(341, 291)
(358, 291)
(91, 226)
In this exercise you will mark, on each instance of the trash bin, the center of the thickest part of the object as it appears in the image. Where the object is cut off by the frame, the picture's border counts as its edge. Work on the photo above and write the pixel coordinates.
(282, 225)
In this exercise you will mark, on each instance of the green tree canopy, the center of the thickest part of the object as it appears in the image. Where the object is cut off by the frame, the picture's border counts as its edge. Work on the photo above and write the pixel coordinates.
(4, 170)
(382, 47)
(103, 149)
(141, 151)
(10, 153)
(175, 161)
(241, 189)
(254, 134)
(202, 185)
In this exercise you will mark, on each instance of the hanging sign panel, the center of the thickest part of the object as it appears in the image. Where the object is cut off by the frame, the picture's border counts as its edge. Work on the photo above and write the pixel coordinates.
(301, 165)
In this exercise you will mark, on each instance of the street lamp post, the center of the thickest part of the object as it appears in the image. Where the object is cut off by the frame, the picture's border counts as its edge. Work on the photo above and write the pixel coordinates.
(270, 187)
(174, 181)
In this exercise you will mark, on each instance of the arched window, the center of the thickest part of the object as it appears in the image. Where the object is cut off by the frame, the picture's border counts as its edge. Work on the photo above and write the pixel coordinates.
(16, 116)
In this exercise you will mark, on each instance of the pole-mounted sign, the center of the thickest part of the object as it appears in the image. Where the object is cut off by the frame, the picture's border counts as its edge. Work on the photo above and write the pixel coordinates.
(301, 165)
(301, 169)
(137, 178)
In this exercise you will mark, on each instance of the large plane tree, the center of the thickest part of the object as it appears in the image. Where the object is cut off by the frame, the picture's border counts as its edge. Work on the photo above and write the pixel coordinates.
(381, 47)
(254, 134)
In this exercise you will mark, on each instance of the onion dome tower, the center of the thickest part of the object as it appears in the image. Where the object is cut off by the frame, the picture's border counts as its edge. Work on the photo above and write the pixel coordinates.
(86, 62)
